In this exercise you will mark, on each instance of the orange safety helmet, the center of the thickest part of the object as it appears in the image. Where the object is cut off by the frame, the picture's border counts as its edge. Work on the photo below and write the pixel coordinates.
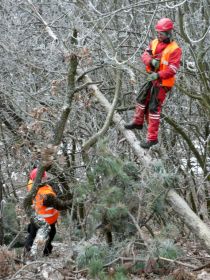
(164, 24)
(34, 172)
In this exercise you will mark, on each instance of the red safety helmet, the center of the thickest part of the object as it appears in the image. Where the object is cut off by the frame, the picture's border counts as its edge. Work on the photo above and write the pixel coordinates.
(164, 24)
(34, 172)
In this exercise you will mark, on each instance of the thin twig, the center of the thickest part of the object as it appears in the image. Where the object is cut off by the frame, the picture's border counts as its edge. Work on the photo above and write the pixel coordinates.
(14, 240)
(201, 267)
(48, 29)
(138, 228)
(177, 262)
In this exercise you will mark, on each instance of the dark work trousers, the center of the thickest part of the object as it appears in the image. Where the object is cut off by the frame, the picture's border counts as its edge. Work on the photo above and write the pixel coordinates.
(32, 230)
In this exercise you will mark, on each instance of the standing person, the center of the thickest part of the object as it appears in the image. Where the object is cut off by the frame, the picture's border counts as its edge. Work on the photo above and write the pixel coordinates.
(162, 60)
(46, 211)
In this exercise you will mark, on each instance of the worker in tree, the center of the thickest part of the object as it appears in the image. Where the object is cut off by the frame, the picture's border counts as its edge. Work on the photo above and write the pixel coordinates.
(162, 60)
(46, 208)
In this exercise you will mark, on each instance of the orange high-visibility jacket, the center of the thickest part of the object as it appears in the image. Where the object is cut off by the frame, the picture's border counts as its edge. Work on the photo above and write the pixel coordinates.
(164, 60)
(48, 213)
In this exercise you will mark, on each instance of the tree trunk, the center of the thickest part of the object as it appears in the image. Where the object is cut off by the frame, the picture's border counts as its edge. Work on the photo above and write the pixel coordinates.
(192, 221)
(129, 135)
(58, 133)
(1, 211)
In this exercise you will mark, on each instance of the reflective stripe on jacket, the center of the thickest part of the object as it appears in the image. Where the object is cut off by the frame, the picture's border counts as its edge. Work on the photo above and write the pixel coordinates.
(29, 186)
(48, 213)
(164, 60)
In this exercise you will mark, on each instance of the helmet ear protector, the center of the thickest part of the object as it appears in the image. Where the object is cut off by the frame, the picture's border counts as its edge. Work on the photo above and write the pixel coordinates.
(33, 173)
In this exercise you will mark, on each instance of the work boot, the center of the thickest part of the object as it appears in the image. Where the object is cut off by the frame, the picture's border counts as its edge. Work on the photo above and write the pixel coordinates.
(148, 144)
(133, 126)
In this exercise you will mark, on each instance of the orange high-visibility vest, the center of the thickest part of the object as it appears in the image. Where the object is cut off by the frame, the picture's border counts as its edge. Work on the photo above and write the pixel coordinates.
(48, 213)
(164, 61)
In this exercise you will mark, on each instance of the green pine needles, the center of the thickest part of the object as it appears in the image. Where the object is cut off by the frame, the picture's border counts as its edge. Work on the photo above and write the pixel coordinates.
(90, 253)
(115, 191)
(165, 248)
(164, 178)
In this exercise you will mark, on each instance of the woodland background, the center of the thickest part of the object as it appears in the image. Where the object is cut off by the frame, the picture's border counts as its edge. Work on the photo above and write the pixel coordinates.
(70, 73)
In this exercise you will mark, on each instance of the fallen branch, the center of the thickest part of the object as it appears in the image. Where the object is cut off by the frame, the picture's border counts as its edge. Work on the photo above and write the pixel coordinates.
(134, 260)
(85, 85)
(202, 266)
(177, 262)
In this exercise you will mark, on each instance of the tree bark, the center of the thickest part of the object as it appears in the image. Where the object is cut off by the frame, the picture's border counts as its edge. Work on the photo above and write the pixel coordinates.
(129, 135)
(1, 211)
(178, 204)
(106, 125)
(193, 222)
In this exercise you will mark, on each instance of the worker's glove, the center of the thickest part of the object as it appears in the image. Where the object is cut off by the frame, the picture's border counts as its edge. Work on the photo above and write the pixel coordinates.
(153, 76)
(155, 63)
(38, 221)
